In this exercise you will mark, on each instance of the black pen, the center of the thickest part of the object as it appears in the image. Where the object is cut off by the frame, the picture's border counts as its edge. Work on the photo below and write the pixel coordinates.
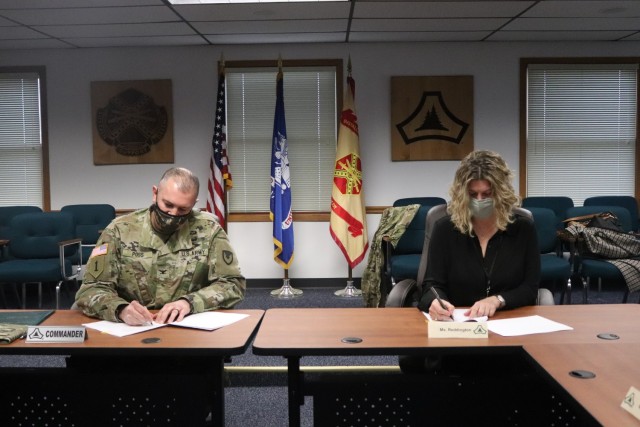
(438, 298)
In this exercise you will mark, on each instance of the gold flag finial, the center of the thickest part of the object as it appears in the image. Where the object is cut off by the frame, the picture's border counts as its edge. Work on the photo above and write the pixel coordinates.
(279, 62)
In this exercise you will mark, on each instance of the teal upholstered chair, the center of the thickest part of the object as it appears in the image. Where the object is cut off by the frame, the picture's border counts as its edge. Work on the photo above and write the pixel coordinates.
(590, 268)
(402, 261)
(558, 204)
(90, 220)
(628, 202)
(554, 268)
(407, 292)
(6, 214)
(41, 245)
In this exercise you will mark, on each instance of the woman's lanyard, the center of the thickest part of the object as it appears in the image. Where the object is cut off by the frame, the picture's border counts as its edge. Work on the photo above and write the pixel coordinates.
(489, 273)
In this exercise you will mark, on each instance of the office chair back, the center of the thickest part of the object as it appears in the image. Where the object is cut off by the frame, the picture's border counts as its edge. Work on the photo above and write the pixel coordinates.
(412, 240)
(41, 246)
(558, 204)
(36, 235)
(8, 212)
(90, 220)
(407, 291)
(544, 220)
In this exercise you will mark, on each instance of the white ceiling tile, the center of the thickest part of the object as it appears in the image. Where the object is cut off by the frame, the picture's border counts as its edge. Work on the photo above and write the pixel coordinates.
(105, 15)
(634, 36)
(264, 11)
(118, 30)
(439, 9)
(6, 23)
(97, 23)
(427, 24)
(137, 41)
(19, 33)
(276, 38)
(44, 4)
(584, 9)
(33, 44)
(558, 35)
(570, 24)
(255, 27)
(415, 36)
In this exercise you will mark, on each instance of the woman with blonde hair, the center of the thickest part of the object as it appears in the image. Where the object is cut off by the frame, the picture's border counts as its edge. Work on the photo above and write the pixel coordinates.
(482, 255)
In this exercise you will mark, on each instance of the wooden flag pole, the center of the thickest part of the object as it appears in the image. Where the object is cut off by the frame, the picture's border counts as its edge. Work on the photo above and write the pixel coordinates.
(349, 291)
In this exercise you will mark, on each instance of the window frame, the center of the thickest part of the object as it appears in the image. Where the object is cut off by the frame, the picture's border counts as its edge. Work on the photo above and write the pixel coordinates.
(44, 126)
(524, 64)
(338, 64)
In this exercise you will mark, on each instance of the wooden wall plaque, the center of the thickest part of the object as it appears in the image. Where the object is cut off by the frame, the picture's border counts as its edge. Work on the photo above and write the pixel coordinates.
(431, 117)
(132, 122)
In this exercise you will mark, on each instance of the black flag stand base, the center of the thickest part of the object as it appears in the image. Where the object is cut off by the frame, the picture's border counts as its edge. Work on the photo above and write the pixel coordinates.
(350, 291)
(286, 291)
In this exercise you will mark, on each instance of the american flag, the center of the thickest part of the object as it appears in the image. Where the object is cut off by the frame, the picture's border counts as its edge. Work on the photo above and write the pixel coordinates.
(219, 175)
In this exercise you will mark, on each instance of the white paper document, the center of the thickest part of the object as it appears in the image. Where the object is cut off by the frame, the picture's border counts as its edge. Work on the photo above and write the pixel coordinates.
(208, 321)
(525, 326)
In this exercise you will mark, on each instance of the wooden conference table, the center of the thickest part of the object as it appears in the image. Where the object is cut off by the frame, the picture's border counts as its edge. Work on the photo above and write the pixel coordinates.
(295, 333)
(170, 361)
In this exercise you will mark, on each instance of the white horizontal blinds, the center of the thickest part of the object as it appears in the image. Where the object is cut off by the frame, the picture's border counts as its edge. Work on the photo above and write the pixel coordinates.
(310, 112)
(20, 140)
(581, 130)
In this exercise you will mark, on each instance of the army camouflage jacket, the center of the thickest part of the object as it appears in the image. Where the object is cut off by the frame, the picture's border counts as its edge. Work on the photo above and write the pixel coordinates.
(131, 262)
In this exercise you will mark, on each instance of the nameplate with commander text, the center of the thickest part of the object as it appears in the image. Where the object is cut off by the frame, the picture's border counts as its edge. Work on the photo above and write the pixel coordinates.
(56, 334)
(443, 329)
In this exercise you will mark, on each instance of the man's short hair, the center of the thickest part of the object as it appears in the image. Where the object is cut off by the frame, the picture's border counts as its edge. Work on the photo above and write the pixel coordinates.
(184, 178)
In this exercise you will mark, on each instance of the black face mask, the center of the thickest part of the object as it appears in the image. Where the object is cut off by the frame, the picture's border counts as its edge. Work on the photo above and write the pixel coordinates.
(165, 223)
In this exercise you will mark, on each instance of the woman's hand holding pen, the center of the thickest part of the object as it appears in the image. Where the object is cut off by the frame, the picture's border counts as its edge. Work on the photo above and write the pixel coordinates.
(441, 310)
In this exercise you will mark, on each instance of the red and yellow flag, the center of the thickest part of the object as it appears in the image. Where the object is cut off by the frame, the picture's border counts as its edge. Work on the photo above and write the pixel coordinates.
(348, 225)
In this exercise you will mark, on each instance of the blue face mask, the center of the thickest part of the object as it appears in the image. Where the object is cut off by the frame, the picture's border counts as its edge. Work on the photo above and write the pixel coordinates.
(481, 209)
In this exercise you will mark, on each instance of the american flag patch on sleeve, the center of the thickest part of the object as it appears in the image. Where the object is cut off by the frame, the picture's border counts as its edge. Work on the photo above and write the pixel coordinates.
(100, 250)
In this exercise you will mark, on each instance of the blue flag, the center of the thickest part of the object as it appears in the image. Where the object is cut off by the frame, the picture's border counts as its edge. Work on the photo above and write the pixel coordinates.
(280, 207)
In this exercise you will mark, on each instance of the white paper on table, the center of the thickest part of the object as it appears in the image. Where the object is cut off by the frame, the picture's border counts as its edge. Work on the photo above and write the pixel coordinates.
(120, 329)
(525, 326)
(208, 320)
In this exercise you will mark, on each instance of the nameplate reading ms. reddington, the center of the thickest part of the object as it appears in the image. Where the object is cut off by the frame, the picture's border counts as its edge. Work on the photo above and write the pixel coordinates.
(54, 334)
(438, 329)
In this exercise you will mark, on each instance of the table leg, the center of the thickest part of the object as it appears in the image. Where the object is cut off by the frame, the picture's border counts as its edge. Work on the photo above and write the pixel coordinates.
(296, 395)
(217, 405)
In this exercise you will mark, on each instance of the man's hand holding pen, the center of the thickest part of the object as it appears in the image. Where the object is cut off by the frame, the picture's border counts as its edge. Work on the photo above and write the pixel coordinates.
(135, 314)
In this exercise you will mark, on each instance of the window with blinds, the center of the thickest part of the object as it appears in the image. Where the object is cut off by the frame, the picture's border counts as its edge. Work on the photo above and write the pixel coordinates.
(311, 115)
(21, 180)
(581, 130)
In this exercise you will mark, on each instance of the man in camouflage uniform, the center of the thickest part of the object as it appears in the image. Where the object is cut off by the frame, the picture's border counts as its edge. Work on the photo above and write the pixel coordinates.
(166, 257)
